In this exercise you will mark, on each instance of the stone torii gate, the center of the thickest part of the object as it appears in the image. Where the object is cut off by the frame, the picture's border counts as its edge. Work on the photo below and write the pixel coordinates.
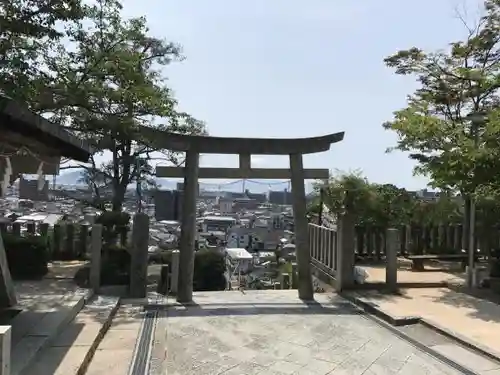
(193, 146)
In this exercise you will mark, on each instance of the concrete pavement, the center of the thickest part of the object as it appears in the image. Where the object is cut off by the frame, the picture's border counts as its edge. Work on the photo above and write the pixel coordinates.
(273, 332)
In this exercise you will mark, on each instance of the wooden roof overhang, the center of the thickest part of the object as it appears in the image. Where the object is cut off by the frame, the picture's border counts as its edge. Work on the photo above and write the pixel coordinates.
(20, 127)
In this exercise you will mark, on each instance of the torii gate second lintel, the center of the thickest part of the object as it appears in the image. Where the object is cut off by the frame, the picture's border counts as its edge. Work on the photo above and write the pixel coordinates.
(244, 147)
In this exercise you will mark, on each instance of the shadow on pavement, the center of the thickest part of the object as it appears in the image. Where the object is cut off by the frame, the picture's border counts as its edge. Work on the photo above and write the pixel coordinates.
(242, 309)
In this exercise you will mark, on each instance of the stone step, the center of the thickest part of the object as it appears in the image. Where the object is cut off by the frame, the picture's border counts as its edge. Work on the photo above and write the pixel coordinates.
(37, 325)
(72, 350)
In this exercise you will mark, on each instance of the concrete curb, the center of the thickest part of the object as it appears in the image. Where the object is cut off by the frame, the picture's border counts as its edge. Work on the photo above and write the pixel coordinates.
(29, 360)
(424, 348)
(396, 321)
(465, 341)
(82, 369)
(373, 309)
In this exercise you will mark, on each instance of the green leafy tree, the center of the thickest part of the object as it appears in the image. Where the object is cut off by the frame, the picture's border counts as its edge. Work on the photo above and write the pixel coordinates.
(448, 126)
(436, 126)
(391, 206)
(335, 190)
(447, 209)
(385, 205)
(108, 85)
(28, 29)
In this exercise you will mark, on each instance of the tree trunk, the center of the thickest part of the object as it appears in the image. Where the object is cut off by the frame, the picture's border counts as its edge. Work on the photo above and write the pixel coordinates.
(118, 198)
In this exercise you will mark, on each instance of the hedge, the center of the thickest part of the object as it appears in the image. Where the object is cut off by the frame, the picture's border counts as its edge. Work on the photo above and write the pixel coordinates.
(27, 256)
(209, 268)
(115, 266)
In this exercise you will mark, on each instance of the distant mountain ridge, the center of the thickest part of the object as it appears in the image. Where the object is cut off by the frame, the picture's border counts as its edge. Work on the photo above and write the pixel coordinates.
(255, 186)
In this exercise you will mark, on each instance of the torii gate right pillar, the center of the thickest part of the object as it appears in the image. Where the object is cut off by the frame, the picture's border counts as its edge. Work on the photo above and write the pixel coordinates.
(302, 251)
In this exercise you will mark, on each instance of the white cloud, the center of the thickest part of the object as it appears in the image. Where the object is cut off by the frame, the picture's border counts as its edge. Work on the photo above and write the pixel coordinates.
(259, 161)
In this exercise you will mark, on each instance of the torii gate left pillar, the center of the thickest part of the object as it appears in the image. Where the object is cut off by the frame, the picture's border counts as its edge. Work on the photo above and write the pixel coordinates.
(193, 146)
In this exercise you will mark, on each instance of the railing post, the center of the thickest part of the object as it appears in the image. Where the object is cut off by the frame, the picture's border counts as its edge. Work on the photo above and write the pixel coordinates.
(391, 256)
(333, 249)
(95, 260)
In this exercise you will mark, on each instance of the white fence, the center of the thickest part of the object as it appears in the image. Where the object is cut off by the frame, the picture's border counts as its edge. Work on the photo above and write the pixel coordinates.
(323, 247)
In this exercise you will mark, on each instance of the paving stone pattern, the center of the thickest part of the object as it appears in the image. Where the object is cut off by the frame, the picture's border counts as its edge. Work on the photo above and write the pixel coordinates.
(273, 332)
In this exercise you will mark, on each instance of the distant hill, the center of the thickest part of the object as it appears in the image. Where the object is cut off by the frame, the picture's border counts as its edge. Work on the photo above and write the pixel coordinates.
(72, 177)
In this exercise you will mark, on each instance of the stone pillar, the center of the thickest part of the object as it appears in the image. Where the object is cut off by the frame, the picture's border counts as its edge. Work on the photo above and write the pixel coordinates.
(56, 242)
(188, 228)
(174, 278)
(345, 250)
(306, 291)
(123, 234)
(69, 251)
(31, 227)
(7, 292)
(5, 348)
(139, 256)
(16, 229)
(391, 256)
(44, 229)
(83, 240)
(95, 260)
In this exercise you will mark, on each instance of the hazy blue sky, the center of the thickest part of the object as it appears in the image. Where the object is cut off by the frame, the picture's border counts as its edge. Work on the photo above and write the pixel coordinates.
(289, 68)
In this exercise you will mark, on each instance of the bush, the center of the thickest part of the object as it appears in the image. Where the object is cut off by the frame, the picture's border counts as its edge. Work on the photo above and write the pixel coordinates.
(209, 268)
(115, 268)
(27, 256)
(115, 224)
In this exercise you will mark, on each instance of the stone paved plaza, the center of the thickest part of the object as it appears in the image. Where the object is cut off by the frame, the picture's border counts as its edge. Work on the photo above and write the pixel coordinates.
(273, 332)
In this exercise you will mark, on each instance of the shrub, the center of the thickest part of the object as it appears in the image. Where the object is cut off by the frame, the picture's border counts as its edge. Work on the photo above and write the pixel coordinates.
(209, 268)
(27, 256)
(115, 268)
(114, 224)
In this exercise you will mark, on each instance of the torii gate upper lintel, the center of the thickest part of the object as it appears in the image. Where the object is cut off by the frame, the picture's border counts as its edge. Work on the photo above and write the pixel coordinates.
(193, 146)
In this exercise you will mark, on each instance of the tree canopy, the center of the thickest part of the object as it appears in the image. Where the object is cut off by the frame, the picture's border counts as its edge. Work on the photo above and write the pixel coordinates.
(99, 74)
(386, 205)
(450, 125)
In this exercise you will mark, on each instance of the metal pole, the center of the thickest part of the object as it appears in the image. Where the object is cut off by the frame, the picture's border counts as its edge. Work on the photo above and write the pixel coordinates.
(472, 247)
(477, 119)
